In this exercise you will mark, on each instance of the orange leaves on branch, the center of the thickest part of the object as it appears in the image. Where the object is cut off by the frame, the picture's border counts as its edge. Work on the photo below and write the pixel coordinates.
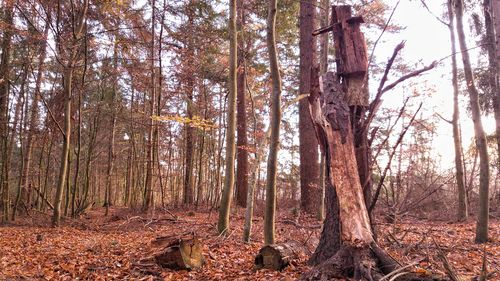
(195, 122)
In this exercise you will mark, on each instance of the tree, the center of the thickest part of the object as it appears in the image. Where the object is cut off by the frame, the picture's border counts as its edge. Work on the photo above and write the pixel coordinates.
(72, 56)
(242, 150)
(4, 107)
(272, 160)
(462, 211)
(480, 137)
(309, 166)
(227, 194)
(491, 11)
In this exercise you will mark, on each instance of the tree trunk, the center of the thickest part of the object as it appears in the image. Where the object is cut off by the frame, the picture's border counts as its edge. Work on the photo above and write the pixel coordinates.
(148, 190)
(112, 125)
(274, 142)
(309, 166)
(480, 137)
(4, 107)
(323, 67)
(241, 116)
(227, 194)
(462, 211)
(492, 22)
(33, 120)
(68, 79)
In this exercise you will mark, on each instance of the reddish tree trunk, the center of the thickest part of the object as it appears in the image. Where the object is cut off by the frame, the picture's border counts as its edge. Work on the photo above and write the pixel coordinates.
(309, 166)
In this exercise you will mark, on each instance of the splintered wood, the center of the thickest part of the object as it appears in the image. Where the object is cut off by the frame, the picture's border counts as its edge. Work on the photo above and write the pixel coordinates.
(350, 48)
(330, 115)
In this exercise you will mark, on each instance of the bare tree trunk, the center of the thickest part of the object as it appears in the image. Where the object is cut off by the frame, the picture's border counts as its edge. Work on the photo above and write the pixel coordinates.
(227, 194)
(4, 107)
(275, 120)
(241, 116)
(323, 67)
(68, 79)
(309, 166)
(492, 23)
(484, 173)
(462, 211)
(111, 143)
(148, 190)
(33, 120)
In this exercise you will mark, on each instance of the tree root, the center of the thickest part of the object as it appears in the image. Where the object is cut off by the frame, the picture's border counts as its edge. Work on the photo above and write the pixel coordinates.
(369, 263)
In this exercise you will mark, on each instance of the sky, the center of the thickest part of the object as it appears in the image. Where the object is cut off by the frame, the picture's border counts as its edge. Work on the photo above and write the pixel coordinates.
(428, 40)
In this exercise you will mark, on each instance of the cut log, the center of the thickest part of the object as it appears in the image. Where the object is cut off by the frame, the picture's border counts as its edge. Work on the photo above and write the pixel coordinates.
(276, 256)
(181, 254)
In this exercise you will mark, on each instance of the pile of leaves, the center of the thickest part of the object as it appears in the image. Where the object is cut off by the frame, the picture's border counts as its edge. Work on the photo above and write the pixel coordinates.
(119, 247)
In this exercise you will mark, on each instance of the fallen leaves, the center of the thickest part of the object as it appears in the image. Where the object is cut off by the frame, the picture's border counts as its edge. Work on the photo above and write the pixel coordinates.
(120, 248)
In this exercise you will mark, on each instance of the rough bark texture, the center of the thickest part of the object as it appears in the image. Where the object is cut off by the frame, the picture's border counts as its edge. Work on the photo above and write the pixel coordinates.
(4, 104)
(480, 136)
(309, 166)
(462, 211)
(272, 160)
(242, 151)
(227, 194)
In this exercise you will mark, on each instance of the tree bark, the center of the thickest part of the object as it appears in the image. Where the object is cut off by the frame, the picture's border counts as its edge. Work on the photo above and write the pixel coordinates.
(492, 23)
(309, 166)
(272, 160)
(462, 211)
(150, 163)
(480, 137)
(227, 194)
(4, 107)
(242, 151)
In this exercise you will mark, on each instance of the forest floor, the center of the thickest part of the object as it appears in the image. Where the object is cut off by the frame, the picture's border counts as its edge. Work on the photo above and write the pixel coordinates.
(118, 247)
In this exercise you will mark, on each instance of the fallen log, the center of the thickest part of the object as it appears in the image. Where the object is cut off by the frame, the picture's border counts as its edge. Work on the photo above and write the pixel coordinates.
(276, 256)
(181, 254)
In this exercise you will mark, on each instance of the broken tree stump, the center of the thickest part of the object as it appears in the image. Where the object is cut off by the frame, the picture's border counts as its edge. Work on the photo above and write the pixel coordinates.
(181, 254)
(276, 256)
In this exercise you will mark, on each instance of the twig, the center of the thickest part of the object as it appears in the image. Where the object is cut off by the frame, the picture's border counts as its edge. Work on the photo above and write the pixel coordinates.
(449, 268)
(386, 277)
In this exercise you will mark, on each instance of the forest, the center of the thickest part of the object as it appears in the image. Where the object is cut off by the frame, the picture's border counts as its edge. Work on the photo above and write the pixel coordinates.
(250, 140)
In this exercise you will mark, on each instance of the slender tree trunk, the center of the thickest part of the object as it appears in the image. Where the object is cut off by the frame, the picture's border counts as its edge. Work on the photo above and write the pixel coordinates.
(274, 142)
(63, 169)
(462, 211)
(111, 143)
(484, 173)
(189, 153)
(227, 194)
(33, 120)
(68, 79)
(148, 190)
(247, 228)
(242, 151)
(309, 166)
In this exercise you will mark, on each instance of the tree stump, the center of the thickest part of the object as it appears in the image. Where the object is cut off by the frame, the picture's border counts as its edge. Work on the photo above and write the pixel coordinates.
(181, 254)
(276, 256)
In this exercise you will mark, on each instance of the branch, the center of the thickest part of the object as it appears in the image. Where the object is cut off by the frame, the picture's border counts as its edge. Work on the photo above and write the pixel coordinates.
(410, 75)
(52, 116)
(444, 119)
(398, 142)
